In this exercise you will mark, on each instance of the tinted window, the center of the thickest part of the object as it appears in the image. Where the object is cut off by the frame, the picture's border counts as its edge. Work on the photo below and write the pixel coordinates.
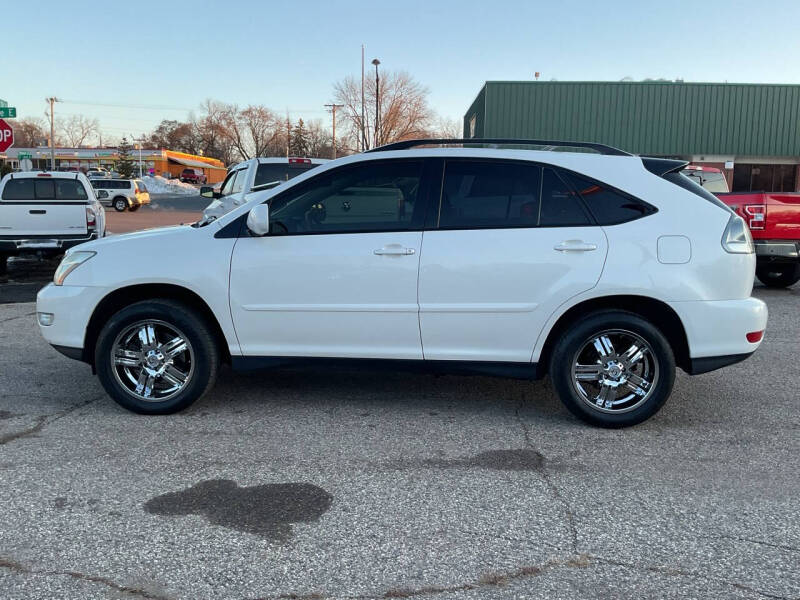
(141, 186)
(368, 197)
(267, 173)
(489, 194)
(607, 206)
(45, 189)
(69, 189)
(560, 205)
(18, 189)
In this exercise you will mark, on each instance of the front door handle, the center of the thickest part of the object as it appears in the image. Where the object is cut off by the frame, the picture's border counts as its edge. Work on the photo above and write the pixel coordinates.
(575, 246)
(394, 251)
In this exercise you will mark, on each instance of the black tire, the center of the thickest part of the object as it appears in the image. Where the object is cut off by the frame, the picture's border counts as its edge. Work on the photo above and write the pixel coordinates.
(194, 328)
(134, 208)
(778, 275)
(3, 264)
(575, 340)
(120, 204)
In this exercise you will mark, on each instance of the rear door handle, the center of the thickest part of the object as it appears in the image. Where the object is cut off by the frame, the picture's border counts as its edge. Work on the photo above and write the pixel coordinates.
(394, 251)
(575, 246)
(37, 212)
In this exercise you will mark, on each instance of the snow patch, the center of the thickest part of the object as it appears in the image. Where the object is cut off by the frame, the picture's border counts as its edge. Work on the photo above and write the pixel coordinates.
(160, 185)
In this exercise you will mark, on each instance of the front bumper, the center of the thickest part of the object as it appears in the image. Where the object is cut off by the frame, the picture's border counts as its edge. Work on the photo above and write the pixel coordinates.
(716, 330)
(72, 307)
(771, 251)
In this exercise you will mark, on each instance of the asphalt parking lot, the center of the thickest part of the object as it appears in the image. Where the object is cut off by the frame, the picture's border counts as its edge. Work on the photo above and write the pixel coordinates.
(289, 484)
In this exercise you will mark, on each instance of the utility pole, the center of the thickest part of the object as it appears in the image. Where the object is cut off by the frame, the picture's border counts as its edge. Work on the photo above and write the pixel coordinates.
(376, 62)
(333, 108)
(363, 124)
(288, 133)
(52, 100)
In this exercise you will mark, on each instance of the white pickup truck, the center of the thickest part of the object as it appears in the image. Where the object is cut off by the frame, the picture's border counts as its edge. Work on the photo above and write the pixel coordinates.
(46, 213)
(254, 175)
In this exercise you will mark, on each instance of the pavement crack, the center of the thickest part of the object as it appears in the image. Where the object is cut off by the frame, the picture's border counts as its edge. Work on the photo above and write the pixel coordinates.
(541, 469)
(761, 543)
(486, 580)
(6, 320)
(681, 572)
(43, 420)
(17, 567)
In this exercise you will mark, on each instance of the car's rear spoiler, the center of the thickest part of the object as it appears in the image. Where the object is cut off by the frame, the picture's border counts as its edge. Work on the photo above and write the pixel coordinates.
(662, 166)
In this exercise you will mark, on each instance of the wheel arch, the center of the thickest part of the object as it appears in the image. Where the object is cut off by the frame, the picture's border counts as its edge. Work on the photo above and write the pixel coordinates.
(657, 312)
(125, 296)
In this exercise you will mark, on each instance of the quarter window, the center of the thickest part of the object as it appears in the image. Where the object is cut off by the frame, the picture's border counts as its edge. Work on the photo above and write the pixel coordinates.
(489, 194)
(367, 197)
(607, 206)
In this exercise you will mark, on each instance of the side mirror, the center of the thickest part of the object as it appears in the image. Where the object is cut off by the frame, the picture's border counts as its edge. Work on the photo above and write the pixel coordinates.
(258, 220)
(207, 191)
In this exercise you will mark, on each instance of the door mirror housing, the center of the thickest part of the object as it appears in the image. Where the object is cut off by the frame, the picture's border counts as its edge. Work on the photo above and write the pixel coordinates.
(208, 192)
(258, 220)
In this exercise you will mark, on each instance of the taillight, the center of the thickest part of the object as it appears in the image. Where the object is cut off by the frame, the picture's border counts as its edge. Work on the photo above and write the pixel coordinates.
(755, 336)
(91, 218)
(736, 238)
(756, 215)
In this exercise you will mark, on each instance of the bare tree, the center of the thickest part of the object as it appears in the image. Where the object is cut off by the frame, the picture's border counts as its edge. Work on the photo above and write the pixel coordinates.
(76, 129)
(403, 108)
(447, 127)
(29, 132)
(253, 131)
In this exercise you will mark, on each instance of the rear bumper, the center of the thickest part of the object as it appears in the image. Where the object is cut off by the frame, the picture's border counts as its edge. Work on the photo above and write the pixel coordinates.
(707, 363)
(42, 243)
(769, 251)
(716, 330)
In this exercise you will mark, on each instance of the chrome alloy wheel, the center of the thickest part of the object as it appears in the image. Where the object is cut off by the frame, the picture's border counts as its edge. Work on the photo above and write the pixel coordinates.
(614, 371)
(152, 360)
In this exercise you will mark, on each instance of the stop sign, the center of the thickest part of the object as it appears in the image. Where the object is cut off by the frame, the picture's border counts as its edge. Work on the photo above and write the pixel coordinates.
(6, 136)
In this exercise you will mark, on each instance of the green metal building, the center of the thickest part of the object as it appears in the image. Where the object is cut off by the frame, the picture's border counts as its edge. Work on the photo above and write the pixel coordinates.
(750, 131)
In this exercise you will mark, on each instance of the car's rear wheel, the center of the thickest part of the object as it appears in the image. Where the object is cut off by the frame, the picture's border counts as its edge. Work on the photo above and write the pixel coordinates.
(120, 204)
(156, 357)
(134, 207)
(778, 275)
(613, 369)
(3, 264)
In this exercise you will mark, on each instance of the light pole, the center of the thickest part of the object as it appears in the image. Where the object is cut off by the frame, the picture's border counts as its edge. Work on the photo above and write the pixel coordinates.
(52, 100)
(376, 62)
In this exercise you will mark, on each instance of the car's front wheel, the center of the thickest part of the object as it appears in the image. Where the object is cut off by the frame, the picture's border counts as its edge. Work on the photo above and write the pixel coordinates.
(613, 369)
(156, 357)
(778, 275)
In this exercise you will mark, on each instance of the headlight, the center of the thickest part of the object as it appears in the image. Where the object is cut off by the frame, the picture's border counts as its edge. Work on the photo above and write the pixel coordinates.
(69, 263)
(737, 238)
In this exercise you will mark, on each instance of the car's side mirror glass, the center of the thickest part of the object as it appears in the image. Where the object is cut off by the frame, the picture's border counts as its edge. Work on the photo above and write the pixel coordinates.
(258, 220)
(207, 191)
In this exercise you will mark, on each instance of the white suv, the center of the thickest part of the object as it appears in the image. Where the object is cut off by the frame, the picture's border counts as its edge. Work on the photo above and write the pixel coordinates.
(604, 270)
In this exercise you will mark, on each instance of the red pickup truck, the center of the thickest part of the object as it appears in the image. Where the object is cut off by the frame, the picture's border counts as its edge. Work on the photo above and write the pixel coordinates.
(774, 220)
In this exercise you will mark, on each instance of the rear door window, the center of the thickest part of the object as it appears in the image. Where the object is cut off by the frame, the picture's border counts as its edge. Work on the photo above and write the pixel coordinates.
(478, 194)
(608, 206)
(561, 207)
(269, 172)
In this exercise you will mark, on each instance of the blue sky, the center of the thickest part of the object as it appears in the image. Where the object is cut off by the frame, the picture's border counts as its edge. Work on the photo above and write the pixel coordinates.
(169, 54)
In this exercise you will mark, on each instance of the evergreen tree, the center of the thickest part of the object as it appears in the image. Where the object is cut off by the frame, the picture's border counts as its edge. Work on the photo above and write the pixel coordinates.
(125, 164)
(299, 141)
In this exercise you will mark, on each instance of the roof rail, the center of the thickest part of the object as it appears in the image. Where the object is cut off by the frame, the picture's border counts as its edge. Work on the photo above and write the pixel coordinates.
(547, 144)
